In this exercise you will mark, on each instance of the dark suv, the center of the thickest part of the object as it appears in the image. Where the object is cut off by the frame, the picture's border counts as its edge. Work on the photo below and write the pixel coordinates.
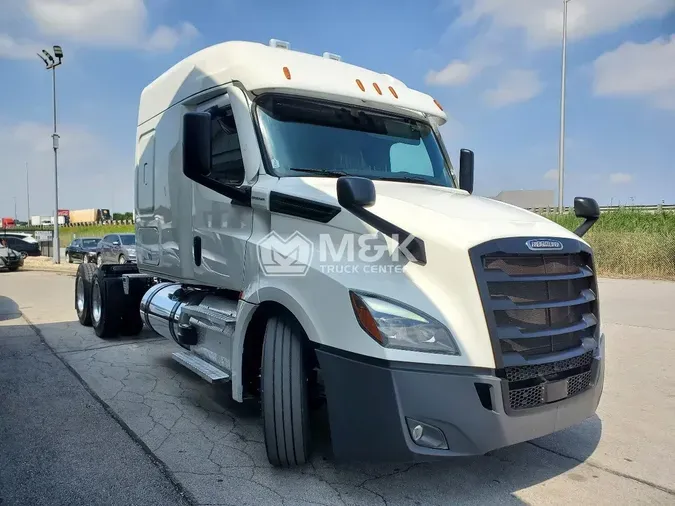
(26, 247)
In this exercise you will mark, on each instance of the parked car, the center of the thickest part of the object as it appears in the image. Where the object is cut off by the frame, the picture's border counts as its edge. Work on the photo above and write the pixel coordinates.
(83, 249)
(116, 249)
(26, 246)
(9, 258)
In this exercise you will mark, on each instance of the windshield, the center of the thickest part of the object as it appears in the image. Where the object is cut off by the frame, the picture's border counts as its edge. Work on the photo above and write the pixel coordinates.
(305, 137)
(128, 240)
(90, 243)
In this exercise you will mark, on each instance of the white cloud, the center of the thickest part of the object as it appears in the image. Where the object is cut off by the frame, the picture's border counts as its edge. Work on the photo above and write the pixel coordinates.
(638, 70)
(620, 178)
(165, 38)
(91, 172)
(17, 49)
(551, 175)
(541, 20)
(118, 23)
(513, 87)
(456, 73)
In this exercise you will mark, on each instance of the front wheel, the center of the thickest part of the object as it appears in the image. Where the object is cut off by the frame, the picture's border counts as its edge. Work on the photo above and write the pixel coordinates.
(285, 410)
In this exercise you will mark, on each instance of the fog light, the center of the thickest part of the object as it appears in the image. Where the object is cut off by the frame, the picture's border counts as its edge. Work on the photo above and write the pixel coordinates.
(426, 435)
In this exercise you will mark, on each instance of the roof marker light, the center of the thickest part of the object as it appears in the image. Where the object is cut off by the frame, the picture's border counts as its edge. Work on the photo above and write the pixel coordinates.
(363, 88)
(438, 105)
(287, 73)
(281, 44)
(332, 56)
(393, 92)
(377, 89)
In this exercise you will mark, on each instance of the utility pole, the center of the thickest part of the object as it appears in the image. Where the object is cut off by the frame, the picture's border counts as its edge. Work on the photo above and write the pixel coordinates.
(561, 151)
(27, 195)
(51, 65)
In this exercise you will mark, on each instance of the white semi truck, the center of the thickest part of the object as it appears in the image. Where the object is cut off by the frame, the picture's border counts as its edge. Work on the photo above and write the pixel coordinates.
(302, 237)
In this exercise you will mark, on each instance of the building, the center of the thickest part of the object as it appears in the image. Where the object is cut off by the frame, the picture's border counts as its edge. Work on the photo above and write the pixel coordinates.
(528, 199)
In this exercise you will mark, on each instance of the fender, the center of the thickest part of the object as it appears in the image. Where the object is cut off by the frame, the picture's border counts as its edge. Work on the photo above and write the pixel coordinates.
(245, 313)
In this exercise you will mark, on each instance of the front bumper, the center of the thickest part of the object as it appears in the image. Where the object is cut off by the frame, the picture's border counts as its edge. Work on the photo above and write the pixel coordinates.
(369, 401)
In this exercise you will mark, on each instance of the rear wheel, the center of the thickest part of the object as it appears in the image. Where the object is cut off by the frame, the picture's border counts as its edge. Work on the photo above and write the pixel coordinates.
(122, 260)
(83, 279)
(285, 410)
(69, 258)
(106, 297)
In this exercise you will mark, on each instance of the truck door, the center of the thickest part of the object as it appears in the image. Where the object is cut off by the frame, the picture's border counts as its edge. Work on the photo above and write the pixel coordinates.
(220, 227)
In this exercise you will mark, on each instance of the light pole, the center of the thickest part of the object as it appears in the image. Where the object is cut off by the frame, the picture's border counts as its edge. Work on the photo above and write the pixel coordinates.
(27, 195)
(51, 64)
(561, 149)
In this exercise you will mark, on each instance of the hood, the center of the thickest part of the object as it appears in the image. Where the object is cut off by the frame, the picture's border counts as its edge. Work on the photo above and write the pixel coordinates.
(433, 212)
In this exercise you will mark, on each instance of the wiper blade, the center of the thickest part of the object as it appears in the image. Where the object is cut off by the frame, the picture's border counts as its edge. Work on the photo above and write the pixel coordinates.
(322, 172)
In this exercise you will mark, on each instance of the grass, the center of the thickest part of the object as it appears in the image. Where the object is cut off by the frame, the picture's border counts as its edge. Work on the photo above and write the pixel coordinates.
(630, 243)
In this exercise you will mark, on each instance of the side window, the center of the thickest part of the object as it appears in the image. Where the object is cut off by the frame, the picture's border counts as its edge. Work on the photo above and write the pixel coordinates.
(227, 164)
(76, 243)
(107, 239)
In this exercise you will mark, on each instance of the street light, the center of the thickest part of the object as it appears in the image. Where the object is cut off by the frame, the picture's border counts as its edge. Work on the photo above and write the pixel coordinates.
(561, 149)
(51, 64)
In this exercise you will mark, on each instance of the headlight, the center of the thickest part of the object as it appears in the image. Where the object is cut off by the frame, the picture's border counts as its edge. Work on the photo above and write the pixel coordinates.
(395, 326)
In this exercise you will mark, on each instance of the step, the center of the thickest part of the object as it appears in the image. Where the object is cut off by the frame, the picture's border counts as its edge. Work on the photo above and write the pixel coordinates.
(209, 318)
(202, 368)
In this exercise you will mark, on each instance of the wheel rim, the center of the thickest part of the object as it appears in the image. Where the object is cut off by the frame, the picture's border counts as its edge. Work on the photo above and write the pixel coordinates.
(79, 293)
(122, 260)
(99, 260)
(67, 257)
(96, 302)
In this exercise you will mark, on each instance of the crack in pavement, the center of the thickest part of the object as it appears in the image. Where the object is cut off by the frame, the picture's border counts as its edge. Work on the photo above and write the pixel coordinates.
(606, 469)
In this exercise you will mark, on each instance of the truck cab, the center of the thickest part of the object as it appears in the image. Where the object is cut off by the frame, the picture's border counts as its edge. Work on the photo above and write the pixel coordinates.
(302, 235)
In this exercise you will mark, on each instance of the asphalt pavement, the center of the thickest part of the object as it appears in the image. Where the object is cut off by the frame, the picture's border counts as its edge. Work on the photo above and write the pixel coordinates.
(58, 445)
(213, 447)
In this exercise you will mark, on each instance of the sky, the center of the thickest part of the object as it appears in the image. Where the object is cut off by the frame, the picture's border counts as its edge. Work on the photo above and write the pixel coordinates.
(493, 64)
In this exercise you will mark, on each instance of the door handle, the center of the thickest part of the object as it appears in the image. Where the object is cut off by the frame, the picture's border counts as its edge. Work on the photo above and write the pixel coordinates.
(197, 250)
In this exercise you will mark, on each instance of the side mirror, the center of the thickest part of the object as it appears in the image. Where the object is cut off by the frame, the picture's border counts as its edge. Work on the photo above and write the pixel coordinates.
(355, 192)
(466, 170)
(196, 144)
(587, 208)
(116, 243)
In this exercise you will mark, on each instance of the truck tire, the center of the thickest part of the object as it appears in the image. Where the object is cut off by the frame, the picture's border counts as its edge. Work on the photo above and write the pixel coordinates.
(106, 298)
(285, 410)
(83, 279)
